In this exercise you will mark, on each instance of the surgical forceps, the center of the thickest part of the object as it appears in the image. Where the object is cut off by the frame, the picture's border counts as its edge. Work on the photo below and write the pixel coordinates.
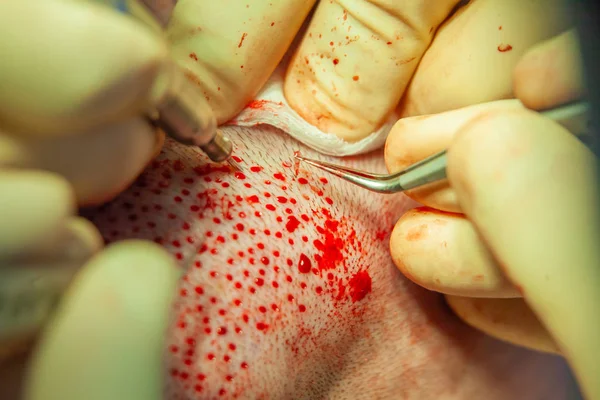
(573, 116)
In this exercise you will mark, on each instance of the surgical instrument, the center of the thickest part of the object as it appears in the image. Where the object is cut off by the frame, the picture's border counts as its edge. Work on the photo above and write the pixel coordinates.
(573, 116)
(182, 112)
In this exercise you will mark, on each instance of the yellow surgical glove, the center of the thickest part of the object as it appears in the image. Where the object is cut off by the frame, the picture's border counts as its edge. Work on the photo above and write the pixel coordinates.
(512, 238)
(76, 77)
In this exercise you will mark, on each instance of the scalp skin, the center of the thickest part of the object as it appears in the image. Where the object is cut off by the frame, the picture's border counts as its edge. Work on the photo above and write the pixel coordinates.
(291, 292)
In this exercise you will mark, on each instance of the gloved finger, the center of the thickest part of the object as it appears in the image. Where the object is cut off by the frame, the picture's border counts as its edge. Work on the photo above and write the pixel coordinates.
(30, 283)
(550, 73)
(506, 319)
(356, 59)
(530, 189)
(99, 163)
(472, 57)
(231, 54)
(415, 138)
(442, 252)
(35, 207)
(73, 65)
(106, 339)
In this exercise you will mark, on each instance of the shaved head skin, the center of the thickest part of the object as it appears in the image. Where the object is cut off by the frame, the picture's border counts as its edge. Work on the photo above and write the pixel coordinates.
(289, 291)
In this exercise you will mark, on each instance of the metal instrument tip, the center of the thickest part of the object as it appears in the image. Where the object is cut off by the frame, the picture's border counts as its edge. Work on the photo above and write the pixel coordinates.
(233, 164)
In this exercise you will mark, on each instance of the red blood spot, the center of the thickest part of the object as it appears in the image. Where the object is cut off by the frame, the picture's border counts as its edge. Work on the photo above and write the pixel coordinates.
(355, 78)
(199, 290)
(261, 326)
(239, 227)
(240, 175)
(504, 48)
(360, 286)
(259, 281)
(270, 207)
(279, 175)
(200, 377)
(262, 309)
(222, 331)
(244, 365)
(302, 308)
(237, 159)
(255, 168)
(292, 224)
(210, 356)
(264, 260)
(304, 264)
(252, 199)
(282, 199)
(198, 388)
(302, 181)
(335, 61)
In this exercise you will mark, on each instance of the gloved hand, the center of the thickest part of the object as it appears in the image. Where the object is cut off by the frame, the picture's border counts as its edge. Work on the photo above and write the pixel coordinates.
(75, 78)
(512, 237)
(355, 59)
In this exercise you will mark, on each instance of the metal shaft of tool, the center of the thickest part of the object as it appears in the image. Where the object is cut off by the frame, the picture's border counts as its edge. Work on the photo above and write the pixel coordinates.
(185, 115)
(182, 111)
(572, 116)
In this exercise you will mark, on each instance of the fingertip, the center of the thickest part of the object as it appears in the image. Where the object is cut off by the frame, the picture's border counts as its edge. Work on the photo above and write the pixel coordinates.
(550, 73)
(394, 148)
(35, 204)
(510, 320)
(106, 339)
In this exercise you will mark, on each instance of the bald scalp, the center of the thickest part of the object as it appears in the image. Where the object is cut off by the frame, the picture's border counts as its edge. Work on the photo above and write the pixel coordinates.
(290, 291)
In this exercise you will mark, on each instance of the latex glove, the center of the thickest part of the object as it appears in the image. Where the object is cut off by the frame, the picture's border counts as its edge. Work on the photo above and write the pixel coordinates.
(74, 81)
(353, 63)
(76, 78)
(519, 260)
